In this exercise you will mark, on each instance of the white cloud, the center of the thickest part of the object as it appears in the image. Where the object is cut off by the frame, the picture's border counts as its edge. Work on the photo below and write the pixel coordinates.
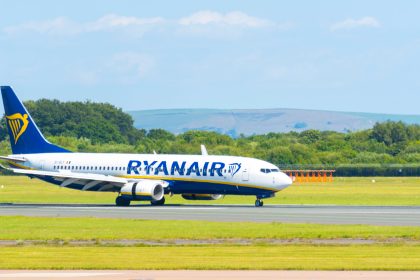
(60, 25)
(235, 18)
(356, 23)
(64, 26)
(113, 22)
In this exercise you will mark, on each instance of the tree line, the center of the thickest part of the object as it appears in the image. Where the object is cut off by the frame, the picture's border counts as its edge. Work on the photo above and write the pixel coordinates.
(101, 127)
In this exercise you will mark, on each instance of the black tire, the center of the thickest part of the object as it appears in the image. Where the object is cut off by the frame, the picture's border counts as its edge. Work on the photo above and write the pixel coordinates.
(259, 203)
(158, 202)
(121, 201)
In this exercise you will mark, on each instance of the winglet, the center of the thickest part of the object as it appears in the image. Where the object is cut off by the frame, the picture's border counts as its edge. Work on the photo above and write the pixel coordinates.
(204, 151)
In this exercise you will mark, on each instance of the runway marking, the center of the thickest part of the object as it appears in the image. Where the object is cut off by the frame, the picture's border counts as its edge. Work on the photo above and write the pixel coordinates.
(374, 215)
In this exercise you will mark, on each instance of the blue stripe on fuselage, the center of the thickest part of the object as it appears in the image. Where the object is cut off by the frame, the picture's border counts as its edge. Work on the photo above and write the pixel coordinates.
(180, 187)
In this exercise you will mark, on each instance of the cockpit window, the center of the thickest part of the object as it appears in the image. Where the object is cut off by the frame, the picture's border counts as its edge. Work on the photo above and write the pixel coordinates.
(268, 170)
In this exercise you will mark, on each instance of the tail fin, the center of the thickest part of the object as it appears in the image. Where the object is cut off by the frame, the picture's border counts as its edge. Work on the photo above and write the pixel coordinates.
(24, 135)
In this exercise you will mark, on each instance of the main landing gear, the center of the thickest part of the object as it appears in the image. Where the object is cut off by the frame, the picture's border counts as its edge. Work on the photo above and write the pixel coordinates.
(122, 201)
(158, 202)
(259, 203)
(125, 201)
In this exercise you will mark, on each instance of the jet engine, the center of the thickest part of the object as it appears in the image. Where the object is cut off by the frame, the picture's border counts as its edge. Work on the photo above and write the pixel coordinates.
(143, 190)
(196, 196)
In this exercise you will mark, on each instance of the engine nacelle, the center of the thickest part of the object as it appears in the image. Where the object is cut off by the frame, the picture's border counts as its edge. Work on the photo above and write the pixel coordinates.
(143, 190)
(196, 196)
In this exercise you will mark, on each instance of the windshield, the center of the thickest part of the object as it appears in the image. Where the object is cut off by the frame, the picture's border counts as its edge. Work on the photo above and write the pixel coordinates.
(269, 170)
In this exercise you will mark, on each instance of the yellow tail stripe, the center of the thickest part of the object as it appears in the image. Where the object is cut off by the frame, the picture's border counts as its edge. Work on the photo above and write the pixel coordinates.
(18, 124)
(16, 129)
(12, 127)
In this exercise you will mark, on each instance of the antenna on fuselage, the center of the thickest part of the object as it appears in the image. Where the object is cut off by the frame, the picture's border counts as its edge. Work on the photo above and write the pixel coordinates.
(154, 152)
(204, 151)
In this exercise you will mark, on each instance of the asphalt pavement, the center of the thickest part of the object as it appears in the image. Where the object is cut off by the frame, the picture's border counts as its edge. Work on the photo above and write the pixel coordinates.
(320, 214)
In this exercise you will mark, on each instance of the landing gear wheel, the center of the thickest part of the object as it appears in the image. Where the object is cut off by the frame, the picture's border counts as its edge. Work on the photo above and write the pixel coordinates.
(158, 202)
(259, 203)
(121, 201)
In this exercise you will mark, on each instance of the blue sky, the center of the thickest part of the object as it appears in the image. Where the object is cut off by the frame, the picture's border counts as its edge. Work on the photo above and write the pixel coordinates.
(360, 56)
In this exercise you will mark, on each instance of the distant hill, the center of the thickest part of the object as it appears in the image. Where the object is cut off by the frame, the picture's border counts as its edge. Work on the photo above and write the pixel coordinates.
(260, 121)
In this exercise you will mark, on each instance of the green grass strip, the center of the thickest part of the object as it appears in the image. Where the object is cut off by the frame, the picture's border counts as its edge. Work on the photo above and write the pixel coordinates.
(299, 257)
(44, 228)
(343, 191)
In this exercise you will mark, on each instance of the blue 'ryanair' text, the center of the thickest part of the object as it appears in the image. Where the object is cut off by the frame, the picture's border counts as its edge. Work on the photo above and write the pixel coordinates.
(212, 169)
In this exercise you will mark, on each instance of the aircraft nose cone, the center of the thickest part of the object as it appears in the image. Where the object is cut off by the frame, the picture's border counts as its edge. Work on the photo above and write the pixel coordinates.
(283, 181)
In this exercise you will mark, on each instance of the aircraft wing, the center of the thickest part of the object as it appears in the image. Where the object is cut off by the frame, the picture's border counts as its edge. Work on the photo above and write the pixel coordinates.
(88, 180)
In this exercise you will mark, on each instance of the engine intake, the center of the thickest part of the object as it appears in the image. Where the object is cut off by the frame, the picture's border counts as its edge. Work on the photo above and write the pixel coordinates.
(143, 190)
(196, 196)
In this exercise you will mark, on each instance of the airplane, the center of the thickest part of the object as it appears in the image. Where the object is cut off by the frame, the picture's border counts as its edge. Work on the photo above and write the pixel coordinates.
(135, 177)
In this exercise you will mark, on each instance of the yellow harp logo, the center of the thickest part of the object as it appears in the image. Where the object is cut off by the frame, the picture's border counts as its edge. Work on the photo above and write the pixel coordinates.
(17, 124)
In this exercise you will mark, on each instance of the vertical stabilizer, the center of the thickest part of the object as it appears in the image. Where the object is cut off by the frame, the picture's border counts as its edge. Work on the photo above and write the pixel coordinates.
(24, 135)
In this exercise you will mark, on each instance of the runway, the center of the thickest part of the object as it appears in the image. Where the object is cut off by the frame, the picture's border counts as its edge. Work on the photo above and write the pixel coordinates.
(320, 214)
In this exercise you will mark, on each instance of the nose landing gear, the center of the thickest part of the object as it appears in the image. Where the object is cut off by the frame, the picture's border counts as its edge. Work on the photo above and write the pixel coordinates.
(259, 203)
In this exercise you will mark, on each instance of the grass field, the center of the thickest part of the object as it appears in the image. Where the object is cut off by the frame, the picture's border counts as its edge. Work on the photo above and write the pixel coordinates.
(301, 257)
(42, 228)
(393, 247)
(343, 191)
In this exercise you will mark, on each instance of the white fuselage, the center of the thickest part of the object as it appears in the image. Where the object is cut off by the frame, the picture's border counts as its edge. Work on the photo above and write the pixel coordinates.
(186, 173)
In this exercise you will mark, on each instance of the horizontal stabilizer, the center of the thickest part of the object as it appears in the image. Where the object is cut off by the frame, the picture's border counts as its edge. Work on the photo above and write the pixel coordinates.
(15, 159)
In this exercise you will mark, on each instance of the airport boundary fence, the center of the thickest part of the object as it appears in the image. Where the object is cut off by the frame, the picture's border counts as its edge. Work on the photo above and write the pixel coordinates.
(362, 170)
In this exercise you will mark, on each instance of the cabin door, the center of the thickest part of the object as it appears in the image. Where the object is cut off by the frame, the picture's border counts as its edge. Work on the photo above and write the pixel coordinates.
(245, 175)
